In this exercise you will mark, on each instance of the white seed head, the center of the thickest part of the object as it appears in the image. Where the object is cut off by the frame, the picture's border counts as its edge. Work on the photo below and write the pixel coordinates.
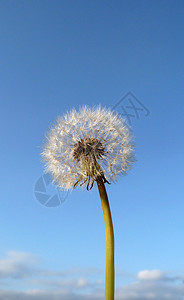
(85, 145)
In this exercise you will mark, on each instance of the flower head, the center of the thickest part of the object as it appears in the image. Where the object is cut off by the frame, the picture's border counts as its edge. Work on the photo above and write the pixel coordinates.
(83, 146)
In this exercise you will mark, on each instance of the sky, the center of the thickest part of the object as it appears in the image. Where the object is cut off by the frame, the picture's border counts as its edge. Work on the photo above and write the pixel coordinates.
(124, 55)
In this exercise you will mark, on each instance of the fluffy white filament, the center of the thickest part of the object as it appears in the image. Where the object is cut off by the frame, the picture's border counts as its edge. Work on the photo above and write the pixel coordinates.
(99, 124)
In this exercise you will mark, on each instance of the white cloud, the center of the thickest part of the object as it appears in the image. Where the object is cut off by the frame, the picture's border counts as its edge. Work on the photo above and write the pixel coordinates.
(17, 264)
(81, 282)
(145, 290)
(141, 290)
(67, 284)
(47, 295)
(155, 285)
(76, 284)
(151, 275)
(23, 269)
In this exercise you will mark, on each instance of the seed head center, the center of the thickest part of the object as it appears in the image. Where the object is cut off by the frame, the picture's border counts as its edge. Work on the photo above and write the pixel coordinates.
(88, 147)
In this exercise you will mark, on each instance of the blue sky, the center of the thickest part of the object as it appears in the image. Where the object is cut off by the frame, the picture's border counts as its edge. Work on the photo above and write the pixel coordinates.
(56, 55)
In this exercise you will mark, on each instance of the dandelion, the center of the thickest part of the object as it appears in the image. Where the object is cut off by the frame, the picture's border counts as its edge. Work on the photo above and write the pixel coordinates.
(86, 147)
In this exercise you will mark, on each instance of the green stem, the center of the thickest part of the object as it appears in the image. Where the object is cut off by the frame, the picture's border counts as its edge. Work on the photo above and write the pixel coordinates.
(109, 275)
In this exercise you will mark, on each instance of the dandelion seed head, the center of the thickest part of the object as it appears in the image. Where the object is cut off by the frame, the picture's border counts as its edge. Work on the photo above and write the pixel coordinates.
(84, 145)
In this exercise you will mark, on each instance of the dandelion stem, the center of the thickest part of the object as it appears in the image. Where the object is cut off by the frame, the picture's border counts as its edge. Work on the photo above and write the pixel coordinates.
(109, 276)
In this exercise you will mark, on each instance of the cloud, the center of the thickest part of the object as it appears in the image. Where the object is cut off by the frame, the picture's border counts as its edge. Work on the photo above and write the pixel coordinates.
(72, 272)
(140, 290)
(46, 295)
(23, 270)
(155, 285)
(68, 284)
(17, 265)
(74, 284)
(151, 275)
(151, 290)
